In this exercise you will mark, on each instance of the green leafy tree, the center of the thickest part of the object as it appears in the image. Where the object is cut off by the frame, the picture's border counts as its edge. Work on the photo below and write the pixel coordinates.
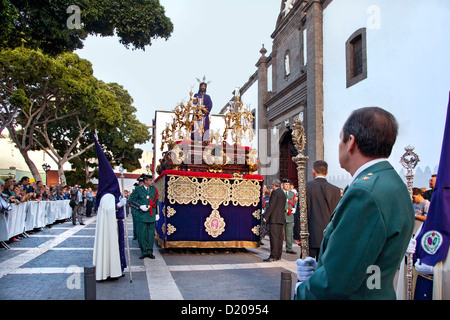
(48, 25)
(58, 103)
(52, 93)
(118, 139)
(70, 137)
(8, 14)
(27, 90)
(130, 131)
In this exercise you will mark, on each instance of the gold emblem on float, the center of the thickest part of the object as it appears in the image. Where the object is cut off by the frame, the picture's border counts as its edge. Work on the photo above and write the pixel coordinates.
(214, 224)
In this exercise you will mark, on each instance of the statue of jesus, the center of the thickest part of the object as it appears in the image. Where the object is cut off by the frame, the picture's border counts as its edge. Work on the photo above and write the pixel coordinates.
(202, 99)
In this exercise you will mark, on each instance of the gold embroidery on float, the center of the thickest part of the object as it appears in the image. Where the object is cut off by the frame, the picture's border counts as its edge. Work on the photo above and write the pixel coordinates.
(183, 190)
(245, 193)
(170, 212)
(257, 214)
(170, 229)
(256, 230)
(216, 192)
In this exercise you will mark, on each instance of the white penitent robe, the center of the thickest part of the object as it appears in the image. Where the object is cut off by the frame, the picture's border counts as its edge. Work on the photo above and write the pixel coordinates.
(106, 247)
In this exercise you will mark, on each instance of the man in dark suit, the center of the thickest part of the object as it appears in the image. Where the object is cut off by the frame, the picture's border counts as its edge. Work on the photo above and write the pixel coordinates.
(321, 200)
(275, 217)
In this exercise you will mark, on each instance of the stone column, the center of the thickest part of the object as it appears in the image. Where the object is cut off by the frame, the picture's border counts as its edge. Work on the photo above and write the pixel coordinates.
(314, 67)
(262, 89)
(263, 147)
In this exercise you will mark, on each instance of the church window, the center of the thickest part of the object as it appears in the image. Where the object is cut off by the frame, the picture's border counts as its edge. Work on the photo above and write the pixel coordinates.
(356, 45)
(356, 57)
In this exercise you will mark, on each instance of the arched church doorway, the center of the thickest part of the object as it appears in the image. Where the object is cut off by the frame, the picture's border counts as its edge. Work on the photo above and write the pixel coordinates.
(288, 168)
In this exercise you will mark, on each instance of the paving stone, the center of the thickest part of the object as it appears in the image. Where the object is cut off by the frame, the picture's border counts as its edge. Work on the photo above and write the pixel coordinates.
(37, 268)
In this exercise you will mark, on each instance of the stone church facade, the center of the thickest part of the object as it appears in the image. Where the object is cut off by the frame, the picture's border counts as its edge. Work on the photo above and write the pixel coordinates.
(331, 57)
(296, 64)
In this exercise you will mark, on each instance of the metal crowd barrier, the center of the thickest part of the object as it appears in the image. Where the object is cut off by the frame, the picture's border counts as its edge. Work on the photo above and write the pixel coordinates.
(29, 215)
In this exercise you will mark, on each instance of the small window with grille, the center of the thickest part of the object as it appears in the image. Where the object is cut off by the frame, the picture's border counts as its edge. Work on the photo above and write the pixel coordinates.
(356, 57)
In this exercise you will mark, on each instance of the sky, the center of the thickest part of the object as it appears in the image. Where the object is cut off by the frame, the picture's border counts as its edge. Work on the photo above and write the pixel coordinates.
(217, 39)
(221, 40)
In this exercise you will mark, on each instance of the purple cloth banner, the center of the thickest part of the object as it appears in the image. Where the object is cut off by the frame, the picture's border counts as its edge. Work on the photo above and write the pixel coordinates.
(434, 239)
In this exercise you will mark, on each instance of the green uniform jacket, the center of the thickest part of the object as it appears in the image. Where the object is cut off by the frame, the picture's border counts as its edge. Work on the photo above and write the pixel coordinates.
(133, 209)
(140, 196)
(290, 197)
(365, 241)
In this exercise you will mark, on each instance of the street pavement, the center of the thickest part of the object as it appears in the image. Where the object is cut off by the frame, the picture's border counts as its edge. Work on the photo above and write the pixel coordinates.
(49, 265)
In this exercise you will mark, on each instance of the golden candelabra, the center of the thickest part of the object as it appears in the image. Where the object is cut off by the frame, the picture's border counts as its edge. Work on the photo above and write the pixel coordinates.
(185, 121)
(238, 121)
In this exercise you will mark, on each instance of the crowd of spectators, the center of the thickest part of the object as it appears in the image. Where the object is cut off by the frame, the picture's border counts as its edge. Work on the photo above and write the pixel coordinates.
(24, 190)
(14, 192)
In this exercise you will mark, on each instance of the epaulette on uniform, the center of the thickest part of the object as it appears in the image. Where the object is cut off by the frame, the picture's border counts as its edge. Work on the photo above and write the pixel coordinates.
(365, 180)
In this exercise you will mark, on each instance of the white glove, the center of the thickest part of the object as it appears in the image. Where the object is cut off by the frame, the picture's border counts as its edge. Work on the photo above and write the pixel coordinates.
(144, 208)
(305, 268)
(157, 217)
(121, 203)
(411, 247)
(423, 268)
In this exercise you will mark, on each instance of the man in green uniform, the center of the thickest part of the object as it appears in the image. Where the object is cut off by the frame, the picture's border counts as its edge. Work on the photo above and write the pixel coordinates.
(370, 228)
(289, 211)
(134, 211)
(145, 199)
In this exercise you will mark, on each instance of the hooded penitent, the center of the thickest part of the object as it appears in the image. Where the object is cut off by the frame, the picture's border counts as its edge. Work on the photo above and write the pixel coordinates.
(109, 184)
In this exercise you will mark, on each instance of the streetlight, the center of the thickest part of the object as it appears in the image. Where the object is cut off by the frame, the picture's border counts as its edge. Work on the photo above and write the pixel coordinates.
(46, 168)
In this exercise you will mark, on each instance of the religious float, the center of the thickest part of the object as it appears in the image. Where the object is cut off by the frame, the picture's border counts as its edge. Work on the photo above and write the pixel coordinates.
(209, 196)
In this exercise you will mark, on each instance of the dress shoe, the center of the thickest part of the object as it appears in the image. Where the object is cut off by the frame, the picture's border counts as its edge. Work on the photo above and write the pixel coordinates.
(269, 259)
(151, 256)
(291, 251)
(142, 256)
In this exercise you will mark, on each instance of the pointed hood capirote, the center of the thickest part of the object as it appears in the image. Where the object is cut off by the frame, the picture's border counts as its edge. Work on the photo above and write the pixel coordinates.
(107, 179)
